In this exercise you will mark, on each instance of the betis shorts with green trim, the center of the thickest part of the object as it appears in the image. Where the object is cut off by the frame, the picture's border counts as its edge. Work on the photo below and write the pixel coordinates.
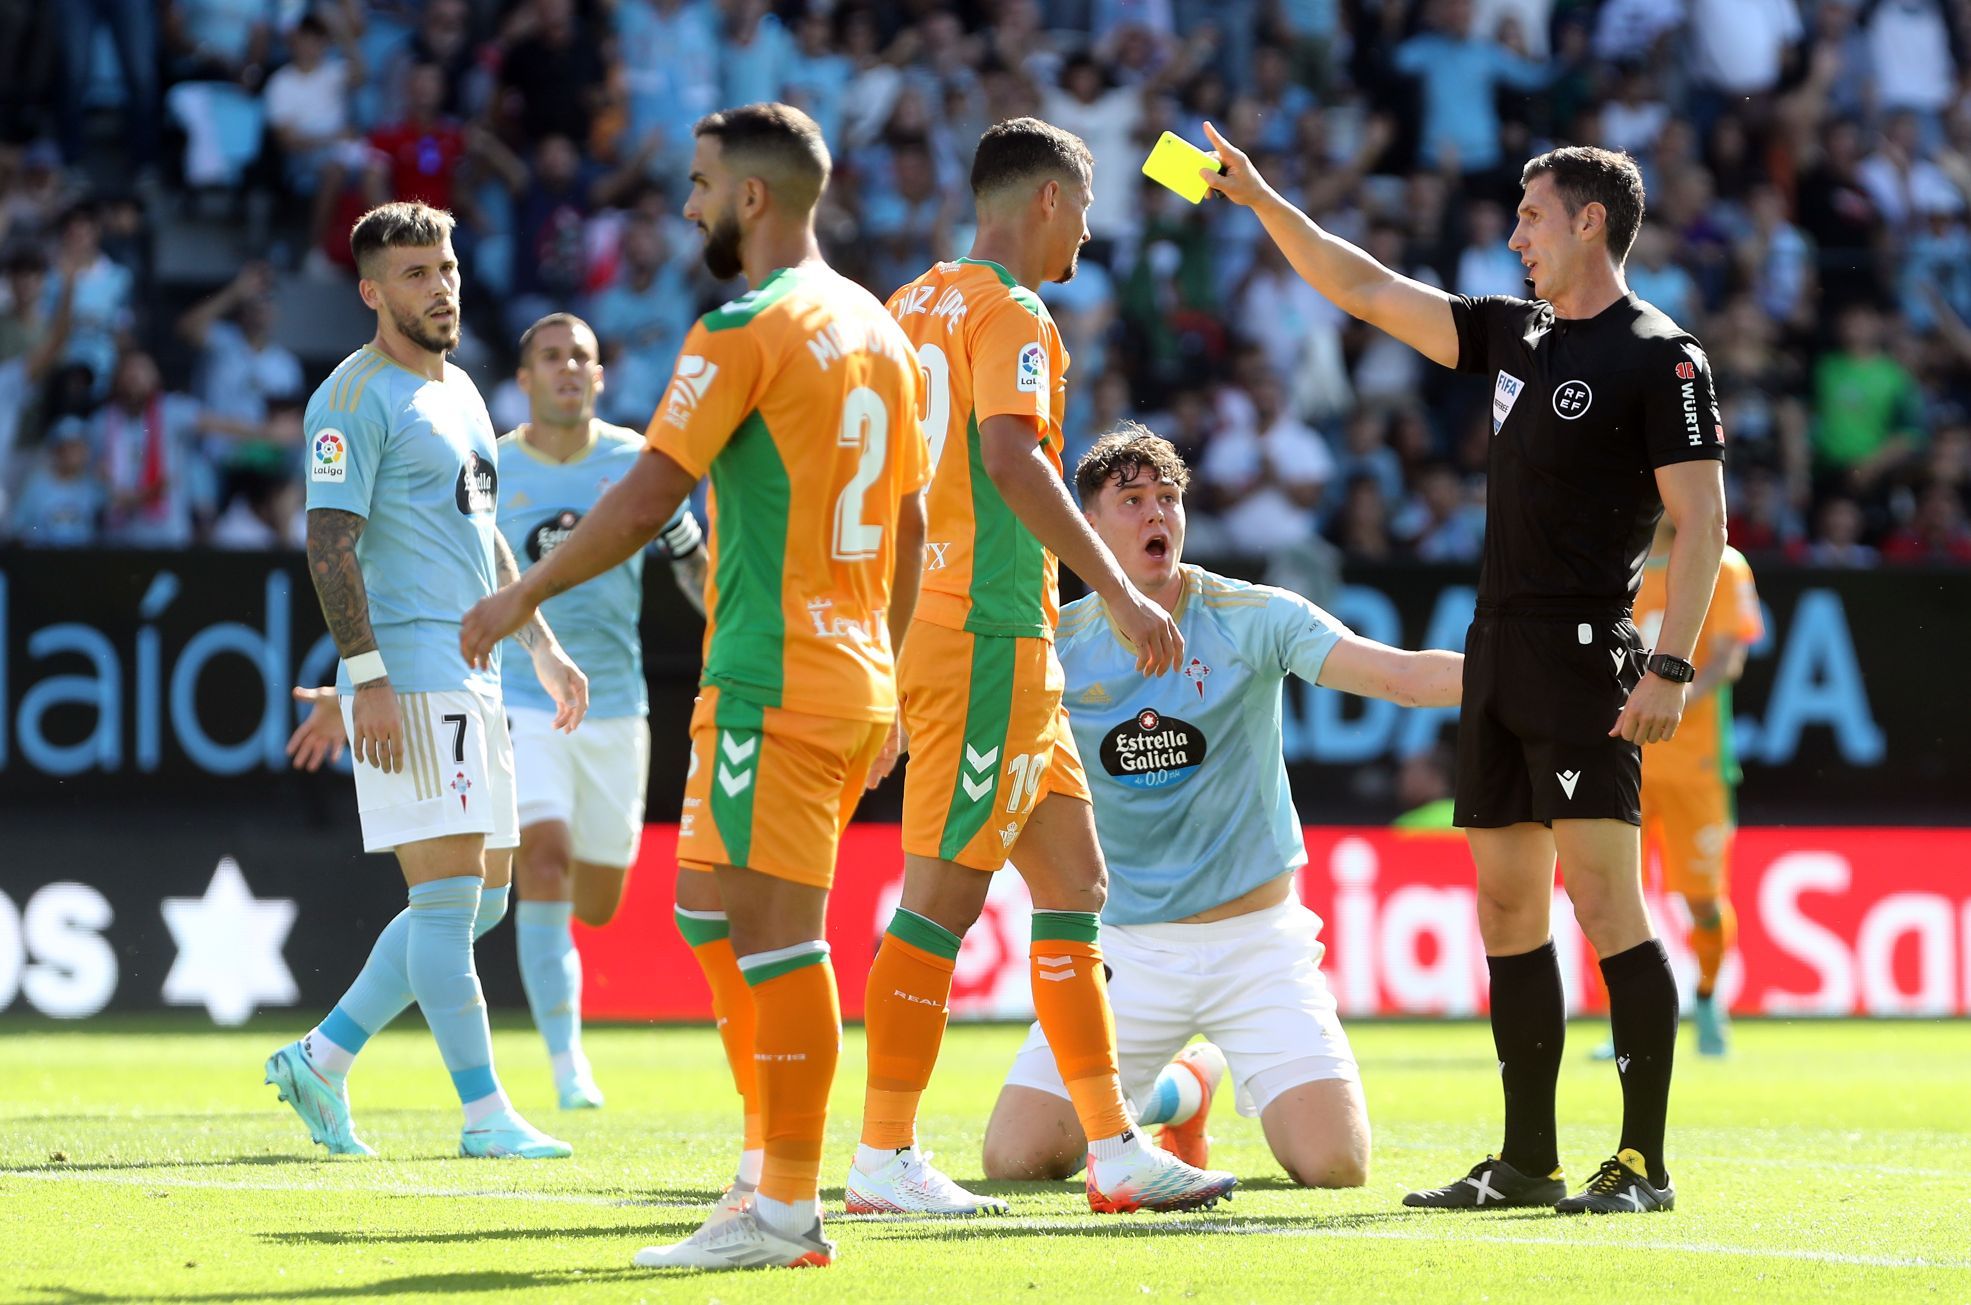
(772, 790)
(988, 739)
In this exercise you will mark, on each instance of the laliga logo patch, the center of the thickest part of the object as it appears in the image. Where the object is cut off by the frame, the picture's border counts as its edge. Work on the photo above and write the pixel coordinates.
(1033, 369)
(1571, 400)
(330, 463)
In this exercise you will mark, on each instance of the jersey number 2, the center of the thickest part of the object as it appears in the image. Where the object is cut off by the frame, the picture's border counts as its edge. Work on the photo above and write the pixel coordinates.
(865, 422)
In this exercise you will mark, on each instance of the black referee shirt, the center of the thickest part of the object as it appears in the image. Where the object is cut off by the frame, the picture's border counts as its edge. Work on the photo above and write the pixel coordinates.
(1583, 412)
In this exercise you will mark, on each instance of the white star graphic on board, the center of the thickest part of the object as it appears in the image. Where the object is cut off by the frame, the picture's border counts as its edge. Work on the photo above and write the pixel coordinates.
(229, 948)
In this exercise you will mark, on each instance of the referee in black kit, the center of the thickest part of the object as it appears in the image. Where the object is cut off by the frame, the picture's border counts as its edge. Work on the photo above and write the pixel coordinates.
(1602, 419)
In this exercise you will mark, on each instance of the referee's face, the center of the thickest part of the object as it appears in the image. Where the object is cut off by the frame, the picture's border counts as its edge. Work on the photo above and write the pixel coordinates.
(1545, 239)
(1142, 522)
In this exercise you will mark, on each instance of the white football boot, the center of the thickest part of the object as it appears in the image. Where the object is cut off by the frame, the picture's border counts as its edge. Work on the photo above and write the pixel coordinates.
(736, 1239)
(911, 1184)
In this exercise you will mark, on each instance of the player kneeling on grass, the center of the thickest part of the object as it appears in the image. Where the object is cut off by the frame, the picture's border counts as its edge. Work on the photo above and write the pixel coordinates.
(1203, 929)
(580, 794)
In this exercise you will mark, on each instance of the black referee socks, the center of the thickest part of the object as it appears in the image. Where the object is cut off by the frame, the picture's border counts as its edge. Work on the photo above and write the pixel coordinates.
(1529, 1026)
(1642, 1014)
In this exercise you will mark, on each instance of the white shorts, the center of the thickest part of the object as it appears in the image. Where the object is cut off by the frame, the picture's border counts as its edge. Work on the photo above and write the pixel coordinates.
(591, 781)
(457, 776)
(1252, 984)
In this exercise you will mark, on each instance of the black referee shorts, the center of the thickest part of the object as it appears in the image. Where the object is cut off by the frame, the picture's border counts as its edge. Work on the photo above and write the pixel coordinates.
(1541, 692)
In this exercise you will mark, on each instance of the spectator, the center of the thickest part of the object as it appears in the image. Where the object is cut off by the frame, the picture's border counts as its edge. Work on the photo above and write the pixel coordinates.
(1763, 520)
(242, 369)
(1461, 77)
(33, 340)
(266, 514)
(1440, 523)
(1916, 48)
(1936, 532)
(1276, 99)
(102, 291)
(1740, 47)
(1837, 210)
(1366, 453)
(641, 318)
(1360, 528)
(61, 504)
(1632, 120)
(1294, 323)
(552, 71)
(443, 39)
(307, 101)
(1868, 417)
(907, 222)
(1265, 480)
(551, 208)
(132, 26)
(1901, 182)
(1837, 536)
(757, 54)
(1656, 279)
(1776, 259)
(1487, 266)
(147, 443)
(818, 75)
(1107, 117)
(417, 156)
(219, 40)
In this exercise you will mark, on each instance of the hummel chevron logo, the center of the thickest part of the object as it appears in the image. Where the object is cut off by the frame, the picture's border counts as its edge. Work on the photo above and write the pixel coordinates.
(734, 782)
(1568, 779)
(1620, 657)
(982, 762)
(1055, 969)
(736, 752)
(1484, 1185)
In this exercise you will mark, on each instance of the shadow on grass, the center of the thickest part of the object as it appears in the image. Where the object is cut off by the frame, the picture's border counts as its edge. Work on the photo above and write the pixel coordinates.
(71, 1166)
(658, 1228)
(409, 1285)
(1199, 1223)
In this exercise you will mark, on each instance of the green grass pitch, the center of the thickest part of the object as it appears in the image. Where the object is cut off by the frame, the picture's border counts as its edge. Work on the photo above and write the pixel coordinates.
(145, 1161)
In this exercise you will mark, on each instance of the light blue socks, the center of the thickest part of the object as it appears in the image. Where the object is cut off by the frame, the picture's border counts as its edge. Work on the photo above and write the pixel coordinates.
(438, 961)
(383, 990)
(551, 972)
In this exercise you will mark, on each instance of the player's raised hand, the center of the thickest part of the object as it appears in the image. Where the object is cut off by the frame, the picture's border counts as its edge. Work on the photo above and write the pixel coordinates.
(320, 737)
(1158, 642)
(894, 747)
(1240, 182)
(492, 619)
(1652, 713)
(379, 737)
(565, 683)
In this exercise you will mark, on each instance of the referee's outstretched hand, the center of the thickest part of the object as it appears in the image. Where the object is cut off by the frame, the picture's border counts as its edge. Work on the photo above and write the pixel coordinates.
(1240, 182)
(1150, 630)
(1652, 713)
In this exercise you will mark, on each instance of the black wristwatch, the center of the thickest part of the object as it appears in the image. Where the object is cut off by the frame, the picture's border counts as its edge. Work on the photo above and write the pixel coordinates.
(1667, 667)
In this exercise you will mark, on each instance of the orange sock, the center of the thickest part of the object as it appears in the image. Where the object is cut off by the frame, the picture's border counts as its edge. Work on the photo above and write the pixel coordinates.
(796, 1046)
(1714, 928)
(732, 1006)
(1071, 997)
(904, 1014)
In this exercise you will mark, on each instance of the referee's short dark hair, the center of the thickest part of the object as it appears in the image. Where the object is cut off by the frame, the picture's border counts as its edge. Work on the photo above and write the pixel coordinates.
(1587, 174)
(1124, 455)
(1022, 149)
(776, 142)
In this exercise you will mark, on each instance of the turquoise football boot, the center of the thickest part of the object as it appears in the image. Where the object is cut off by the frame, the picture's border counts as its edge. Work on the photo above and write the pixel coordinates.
(1709, 1016)
(322, 1103)
(506, 1136)
(579, 1092)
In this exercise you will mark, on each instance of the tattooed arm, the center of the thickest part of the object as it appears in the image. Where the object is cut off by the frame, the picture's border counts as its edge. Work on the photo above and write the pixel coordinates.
(379, 727)
(562, 679)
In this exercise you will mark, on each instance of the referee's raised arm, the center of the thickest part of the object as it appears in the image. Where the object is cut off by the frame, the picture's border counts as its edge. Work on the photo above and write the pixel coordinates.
(1417, 314)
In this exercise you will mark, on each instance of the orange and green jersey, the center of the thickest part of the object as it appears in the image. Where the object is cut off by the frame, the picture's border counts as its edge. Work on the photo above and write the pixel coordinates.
(989, 349)
(801, 401)
(1702, 745)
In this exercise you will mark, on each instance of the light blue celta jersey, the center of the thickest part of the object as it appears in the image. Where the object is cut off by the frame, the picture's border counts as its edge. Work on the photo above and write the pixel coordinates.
(540, 502)
(416, 458)
(1187, 772)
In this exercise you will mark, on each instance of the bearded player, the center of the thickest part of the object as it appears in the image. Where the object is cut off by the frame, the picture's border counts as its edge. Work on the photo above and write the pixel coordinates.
(1203, 927)
(800, 399)
(402, 486)
(994, 772)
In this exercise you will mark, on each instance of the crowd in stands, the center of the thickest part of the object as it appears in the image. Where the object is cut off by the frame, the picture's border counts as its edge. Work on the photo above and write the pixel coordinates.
(1808, 165)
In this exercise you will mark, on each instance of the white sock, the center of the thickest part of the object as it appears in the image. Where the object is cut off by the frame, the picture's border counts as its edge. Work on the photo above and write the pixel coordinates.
(486, 1106)
(871, 1159)
(1119, 1147)
(788, 1218)
(323, 1053)
(751, 1163)
(567, 1064)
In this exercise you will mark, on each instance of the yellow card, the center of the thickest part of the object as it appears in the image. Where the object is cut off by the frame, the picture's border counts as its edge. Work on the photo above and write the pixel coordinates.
(1175, 163)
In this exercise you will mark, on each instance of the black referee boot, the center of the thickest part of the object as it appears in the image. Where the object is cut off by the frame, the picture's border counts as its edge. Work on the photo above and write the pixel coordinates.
(1620, 1187)
(1492, 1184)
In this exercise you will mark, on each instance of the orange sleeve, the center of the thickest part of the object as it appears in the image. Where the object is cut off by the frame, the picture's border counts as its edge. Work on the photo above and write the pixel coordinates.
(1010, 365)
(1738, 595)
(914, 459)
(711, 391)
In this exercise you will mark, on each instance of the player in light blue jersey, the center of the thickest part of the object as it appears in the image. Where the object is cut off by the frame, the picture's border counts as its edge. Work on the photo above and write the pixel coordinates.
(581, 794)
(1203, 928)
(402, 484)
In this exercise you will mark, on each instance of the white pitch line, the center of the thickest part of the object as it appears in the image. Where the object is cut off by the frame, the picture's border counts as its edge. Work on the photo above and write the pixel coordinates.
(229, 1185)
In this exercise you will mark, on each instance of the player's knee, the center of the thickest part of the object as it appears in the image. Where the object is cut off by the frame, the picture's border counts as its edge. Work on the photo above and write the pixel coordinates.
(595, 912)
(1328, 1166)
(1504, 920)
(541, 876)
(1023, 1161)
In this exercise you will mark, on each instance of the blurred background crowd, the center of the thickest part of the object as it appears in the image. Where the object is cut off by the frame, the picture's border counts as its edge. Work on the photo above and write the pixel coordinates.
(178, 177)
